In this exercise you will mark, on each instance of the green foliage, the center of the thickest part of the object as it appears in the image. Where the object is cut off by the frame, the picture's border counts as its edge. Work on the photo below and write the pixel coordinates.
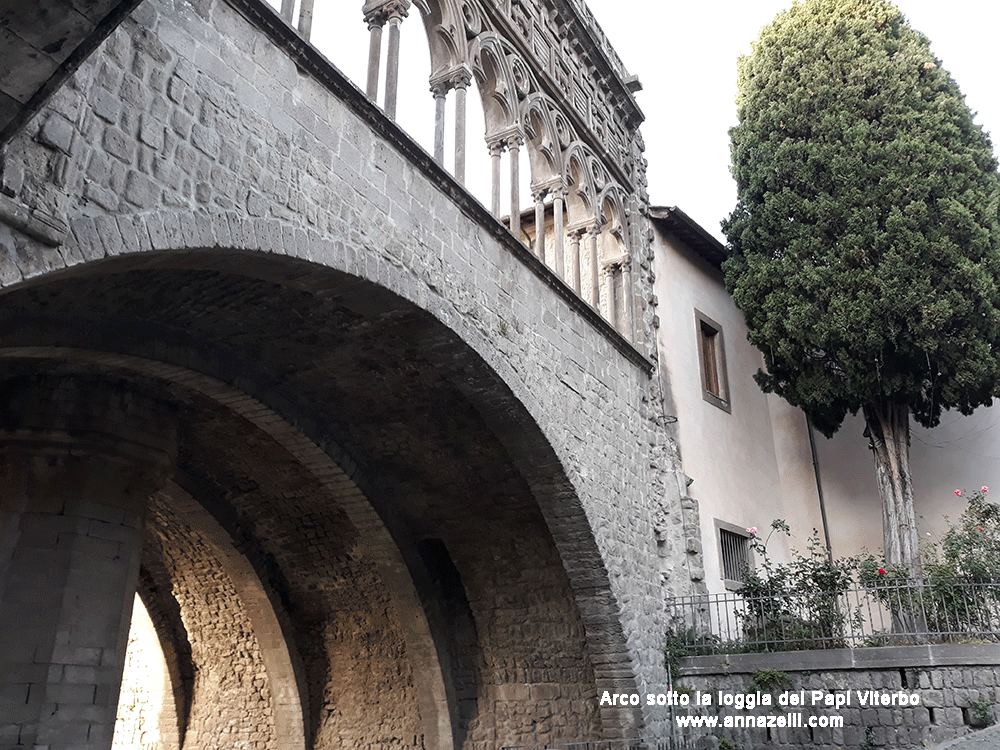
(795, 605)
(865, 247)
(981, 714)
(970, 549)
(951, 597)
(767, 680)
(686, 642)
(869, 743)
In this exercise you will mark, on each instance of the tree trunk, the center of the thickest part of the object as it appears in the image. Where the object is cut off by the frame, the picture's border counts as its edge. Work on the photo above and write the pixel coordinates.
(889, 429)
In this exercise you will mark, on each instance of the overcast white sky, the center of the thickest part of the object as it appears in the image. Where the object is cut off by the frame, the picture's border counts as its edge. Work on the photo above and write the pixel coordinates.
(685, 56)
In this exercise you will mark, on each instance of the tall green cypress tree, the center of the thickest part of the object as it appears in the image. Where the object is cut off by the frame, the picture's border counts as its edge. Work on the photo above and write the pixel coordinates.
(865, 245)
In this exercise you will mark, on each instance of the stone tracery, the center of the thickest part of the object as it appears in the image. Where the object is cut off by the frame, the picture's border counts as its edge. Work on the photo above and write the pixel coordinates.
(551, 86)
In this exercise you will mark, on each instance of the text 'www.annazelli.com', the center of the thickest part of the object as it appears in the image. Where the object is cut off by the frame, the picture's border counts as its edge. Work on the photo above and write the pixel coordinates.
(790, 720)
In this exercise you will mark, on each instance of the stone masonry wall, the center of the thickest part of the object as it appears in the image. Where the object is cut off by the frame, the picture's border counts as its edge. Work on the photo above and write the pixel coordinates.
(192, 128)
(953, 684)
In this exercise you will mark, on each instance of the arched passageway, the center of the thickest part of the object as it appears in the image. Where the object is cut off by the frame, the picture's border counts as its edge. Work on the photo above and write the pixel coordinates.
(354, 548)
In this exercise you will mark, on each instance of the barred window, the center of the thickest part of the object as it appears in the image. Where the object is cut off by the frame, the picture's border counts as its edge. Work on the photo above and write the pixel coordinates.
(735, 555)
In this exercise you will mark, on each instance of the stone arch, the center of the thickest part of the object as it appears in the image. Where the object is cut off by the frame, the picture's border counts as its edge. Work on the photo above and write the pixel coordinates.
(544, 153)
(613, 217)
(491, 68)
(445, 35)
(581, 200)
(270, 630)
(506, 412)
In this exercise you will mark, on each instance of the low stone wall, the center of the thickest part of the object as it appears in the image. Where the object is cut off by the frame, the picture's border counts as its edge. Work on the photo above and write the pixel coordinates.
(896, 698)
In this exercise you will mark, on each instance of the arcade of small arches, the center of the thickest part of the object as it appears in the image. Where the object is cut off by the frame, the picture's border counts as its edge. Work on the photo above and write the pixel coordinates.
(376, 483)
(586, 173)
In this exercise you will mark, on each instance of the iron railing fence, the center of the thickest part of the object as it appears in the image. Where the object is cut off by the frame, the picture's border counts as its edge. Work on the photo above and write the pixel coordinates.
(938, 611)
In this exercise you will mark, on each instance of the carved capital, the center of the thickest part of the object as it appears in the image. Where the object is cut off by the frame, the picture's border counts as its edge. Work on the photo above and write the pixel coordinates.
(556, 187)
(378, 12)
(514, 141)
(460, 77)
(575, 232)
(440, 87)
(496, 147)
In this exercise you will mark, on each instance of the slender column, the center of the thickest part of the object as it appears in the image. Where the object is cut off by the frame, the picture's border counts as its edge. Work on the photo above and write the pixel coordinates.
(440, 91)
(607, 293)
(558, 232)
(496, 149)
(78, 460)
(573, 260)
(514, 147)
(461, 83)
(375, 22)
(287, 9)
(305, 19)
(594, 267)
(626, 275)
(539, 196)
(396, 15)
(590, 279)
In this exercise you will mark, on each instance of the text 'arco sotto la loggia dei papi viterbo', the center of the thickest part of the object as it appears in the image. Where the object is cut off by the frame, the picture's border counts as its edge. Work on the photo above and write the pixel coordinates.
(750, 701)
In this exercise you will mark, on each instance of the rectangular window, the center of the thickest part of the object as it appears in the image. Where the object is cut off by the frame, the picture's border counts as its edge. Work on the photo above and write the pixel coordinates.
(712, 359)
(734, 554)
(710, 356)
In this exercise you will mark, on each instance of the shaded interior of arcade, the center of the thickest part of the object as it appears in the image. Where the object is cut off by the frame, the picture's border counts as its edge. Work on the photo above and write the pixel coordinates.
(390, 579)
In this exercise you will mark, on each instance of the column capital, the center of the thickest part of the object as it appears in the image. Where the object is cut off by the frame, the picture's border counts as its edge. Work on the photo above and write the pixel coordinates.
(514, 141)
(378, 12)
(556, 187)
(496, 147)
(460, 77)
(538, 192)
(609, 269)
(440, 87)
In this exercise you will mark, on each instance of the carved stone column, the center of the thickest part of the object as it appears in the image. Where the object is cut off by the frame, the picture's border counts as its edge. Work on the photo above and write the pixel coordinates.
(606, 286)
(375, 20)
(589, 272)
(305, 19)
(514, 147)
(496, 149)
(573, 275)
(440, 91)
(78, 460)
(460, 82)
(558, 231)
(539, 194)
(396, 13)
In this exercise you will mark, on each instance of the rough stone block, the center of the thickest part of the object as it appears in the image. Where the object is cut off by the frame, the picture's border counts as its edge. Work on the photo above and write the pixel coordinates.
(57, 133)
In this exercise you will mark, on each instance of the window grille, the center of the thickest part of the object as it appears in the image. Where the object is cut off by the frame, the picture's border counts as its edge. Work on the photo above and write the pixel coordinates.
(735, 555)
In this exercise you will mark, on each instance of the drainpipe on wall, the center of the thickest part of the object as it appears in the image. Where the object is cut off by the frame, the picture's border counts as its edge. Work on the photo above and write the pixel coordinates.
(819, 488)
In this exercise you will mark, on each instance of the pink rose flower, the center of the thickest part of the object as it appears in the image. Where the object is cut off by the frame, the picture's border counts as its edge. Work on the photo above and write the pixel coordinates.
(958, 492)
(881, 571)
(985, 489)
(752, 530)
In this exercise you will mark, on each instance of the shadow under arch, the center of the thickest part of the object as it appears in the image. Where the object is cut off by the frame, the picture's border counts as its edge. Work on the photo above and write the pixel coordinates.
(265, 364)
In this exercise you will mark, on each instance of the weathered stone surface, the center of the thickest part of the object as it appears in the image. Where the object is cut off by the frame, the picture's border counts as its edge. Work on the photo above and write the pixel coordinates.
(488, 479)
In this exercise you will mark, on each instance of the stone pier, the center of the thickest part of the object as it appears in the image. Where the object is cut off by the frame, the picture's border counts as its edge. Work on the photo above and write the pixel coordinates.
(78, 461)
